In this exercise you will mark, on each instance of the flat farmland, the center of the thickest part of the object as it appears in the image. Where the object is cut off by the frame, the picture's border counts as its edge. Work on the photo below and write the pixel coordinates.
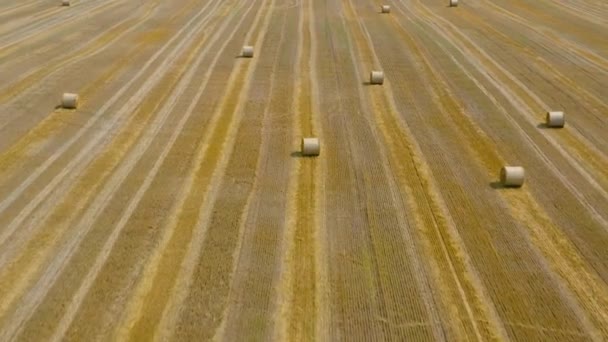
(174, 203)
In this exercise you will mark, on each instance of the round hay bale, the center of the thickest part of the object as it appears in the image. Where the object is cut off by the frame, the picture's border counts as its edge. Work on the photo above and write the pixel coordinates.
(69, 101)
(512, 176)
(386, 9)
(453, 3)
(376, 77)
(556, 119)
(310, 147)
(247, 51)
(65, 3)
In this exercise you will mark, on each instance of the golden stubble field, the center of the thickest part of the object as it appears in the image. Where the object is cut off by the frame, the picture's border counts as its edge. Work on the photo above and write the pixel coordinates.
(174, 203)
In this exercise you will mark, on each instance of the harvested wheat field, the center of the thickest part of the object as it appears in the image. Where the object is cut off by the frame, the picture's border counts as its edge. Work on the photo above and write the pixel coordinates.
(155, 183)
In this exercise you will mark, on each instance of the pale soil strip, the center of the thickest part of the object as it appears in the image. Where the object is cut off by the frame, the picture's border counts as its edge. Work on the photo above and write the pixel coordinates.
(120, 175)
(185, 215)
(523, 204)
(295, 315)
(493, 73)
(95, 45)
(257, 269)
(86, 152)
(158, 71)
(466, 130)
(43, 29)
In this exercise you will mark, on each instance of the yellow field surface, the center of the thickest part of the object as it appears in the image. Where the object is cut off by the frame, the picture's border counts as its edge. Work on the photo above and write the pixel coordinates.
(174, 202)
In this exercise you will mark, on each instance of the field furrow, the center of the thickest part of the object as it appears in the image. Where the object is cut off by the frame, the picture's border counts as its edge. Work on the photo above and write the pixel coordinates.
(176, 203)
